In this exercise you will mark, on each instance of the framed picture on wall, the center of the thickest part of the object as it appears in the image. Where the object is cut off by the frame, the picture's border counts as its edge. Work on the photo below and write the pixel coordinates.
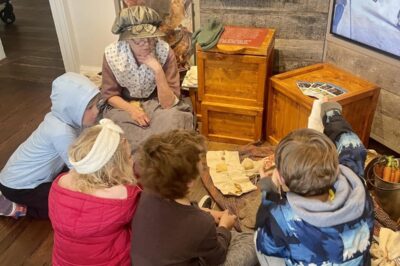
(178, 25)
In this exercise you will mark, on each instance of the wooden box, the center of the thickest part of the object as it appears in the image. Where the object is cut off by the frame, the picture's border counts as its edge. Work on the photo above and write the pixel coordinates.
(232, 82)
(231, 123)
(288, 108)
(235, 74)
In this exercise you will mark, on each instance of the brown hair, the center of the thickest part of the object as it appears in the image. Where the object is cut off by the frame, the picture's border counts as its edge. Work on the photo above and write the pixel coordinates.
(117, 171)
(308, 162)
(169, 161)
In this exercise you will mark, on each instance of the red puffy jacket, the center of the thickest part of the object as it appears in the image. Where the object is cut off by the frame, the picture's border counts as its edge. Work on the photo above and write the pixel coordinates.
(89, 230)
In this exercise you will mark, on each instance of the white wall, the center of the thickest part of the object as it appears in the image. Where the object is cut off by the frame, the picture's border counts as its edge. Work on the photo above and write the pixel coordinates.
(196, 14)
(91, 21)
(2, 54)
(83, 30)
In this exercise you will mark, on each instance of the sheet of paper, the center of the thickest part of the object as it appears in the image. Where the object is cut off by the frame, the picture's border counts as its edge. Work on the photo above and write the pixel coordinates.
(234, 180)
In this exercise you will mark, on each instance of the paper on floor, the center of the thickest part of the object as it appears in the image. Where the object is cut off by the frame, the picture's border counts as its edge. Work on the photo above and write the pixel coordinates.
(228, 174)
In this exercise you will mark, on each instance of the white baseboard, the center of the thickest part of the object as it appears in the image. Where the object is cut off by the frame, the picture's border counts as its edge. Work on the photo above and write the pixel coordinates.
(2, 53)
(89, 70)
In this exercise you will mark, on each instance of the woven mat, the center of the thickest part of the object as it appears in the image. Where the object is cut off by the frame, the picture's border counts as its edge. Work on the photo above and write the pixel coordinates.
(244, 207)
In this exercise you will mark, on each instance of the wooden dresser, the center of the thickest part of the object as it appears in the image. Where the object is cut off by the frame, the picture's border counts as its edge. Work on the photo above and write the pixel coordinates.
(232, 88)
(288, 108)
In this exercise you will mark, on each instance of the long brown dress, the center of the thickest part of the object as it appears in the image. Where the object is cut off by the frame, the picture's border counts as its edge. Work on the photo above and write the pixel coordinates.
(161, 120)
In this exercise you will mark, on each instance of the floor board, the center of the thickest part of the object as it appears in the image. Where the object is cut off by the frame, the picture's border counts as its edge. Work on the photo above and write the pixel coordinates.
(33, 61)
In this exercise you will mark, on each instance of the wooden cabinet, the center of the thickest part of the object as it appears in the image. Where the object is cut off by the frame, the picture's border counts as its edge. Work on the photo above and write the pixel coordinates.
(288, 108)
(232, 89)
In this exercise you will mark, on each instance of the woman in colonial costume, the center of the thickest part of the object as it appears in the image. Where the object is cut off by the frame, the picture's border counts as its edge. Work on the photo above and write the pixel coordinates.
(141, 79)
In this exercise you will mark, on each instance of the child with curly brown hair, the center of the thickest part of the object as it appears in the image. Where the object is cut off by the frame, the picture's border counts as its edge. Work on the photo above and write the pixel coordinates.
(169, 229)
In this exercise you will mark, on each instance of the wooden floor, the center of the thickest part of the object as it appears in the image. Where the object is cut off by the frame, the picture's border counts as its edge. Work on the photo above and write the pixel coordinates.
(33, 61)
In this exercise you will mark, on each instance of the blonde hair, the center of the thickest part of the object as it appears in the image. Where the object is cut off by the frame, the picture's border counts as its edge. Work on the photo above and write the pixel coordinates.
(117, 171)
(308, 162)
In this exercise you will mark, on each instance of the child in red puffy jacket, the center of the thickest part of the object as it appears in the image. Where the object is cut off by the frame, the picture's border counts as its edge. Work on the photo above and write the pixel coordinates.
(91, 207)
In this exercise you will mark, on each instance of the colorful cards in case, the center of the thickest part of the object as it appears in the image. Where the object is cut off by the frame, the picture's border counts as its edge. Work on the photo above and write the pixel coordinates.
(320, 89)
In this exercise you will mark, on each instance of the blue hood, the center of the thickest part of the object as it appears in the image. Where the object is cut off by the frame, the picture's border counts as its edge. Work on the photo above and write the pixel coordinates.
(70, 96)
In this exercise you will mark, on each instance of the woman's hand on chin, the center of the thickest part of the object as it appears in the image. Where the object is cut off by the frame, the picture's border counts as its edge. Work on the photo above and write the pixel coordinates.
(150, 61)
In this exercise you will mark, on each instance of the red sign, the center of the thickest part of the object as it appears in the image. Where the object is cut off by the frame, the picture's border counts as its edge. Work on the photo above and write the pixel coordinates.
(252, 37)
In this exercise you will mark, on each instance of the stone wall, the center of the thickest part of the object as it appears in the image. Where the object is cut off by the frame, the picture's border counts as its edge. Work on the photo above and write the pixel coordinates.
(300, 24)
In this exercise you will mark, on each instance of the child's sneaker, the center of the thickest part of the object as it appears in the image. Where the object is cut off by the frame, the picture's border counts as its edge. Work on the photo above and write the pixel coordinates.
(11, 209)
(205, 202)
(20, 211)
(7, 207)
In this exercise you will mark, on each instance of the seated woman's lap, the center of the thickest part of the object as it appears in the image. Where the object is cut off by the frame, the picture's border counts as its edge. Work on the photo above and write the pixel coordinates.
(161, 120)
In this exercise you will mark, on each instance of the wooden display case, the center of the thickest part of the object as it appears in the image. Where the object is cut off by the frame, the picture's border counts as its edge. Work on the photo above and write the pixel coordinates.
(234, 78)
(231, 123)
(288, 108)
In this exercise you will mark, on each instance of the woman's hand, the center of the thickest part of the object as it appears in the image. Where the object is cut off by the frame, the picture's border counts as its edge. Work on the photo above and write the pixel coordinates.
(165, 94)
(138, 115)
(150, 61)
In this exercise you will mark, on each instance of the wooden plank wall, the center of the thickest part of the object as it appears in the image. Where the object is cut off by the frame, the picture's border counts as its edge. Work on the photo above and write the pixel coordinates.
(301, 31)
(300, 24)
(386, 124)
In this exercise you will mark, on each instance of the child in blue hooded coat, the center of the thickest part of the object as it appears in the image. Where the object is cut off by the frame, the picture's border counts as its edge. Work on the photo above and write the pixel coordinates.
(325, 217)
(26, 179)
